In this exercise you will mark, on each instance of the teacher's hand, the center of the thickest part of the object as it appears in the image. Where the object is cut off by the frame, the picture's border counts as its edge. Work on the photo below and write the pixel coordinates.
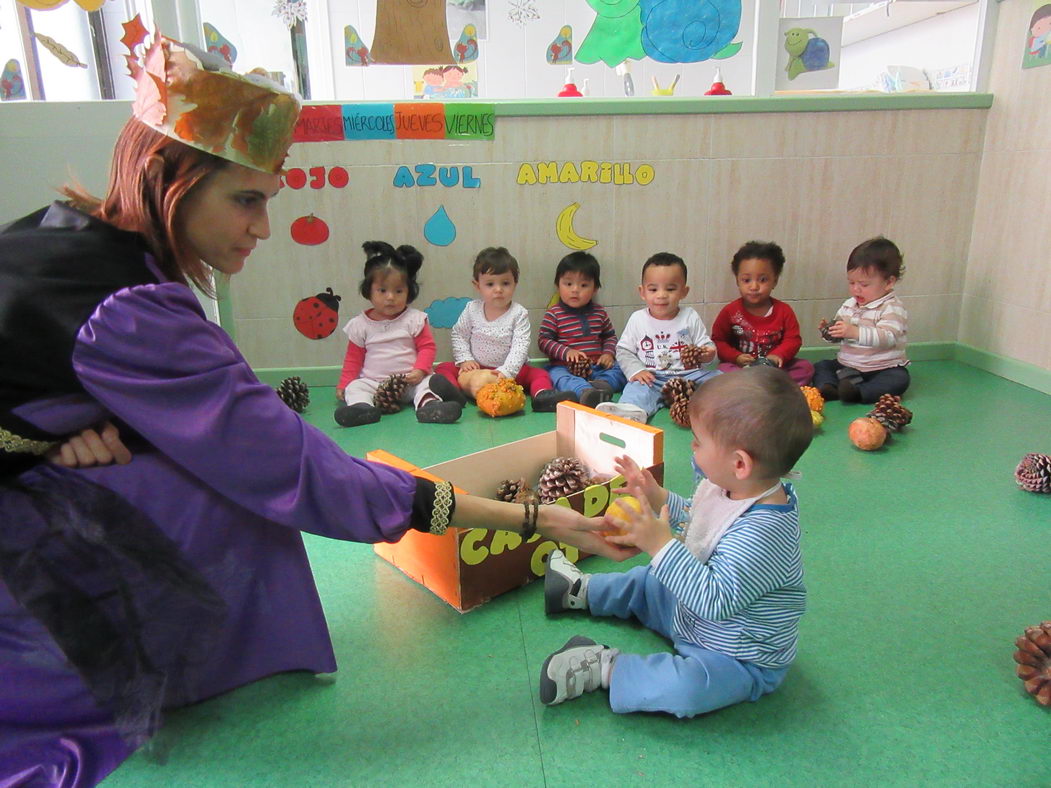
(565, 525)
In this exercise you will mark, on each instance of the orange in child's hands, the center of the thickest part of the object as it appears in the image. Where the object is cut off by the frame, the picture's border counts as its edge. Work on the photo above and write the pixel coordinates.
(618, 512)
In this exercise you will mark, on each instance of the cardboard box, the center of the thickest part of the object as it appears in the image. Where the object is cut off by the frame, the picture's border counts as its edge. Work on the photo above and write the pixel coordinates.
(469, 566)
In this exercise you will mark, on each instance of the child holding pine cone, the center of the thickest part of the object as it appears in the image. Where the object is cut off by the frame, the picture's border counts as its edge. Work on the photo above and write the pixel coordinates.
(871, 326)
(391, 348)
(578, 336)
(725, 579)
(661, 342)
(757, 325)
(491, 338)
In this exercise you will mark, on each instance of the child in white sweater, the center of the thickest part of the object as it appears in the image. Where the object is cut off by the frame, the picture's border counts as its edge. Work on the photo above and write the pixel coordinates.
(493, 333)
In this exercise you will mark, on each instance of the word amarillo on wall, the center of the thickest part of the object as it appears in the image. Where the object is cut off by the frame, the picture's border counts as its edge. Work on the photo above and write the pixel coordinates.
(424, 120)
(617, 173)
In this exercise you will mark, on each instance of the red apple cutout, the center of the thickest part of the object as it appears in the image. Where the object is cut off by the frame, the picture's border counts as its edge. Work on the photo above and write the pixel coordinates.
(309, 230)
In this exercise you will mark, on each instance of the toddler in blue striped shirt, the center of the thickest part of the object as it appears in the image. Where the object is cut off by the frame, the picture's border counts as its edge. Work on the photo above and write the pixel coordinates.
(725, 579)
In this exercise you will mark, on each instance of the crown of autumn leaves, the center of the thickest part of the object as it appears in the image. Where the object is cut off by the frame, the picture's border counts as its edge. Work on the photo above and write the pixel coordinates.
(194, 97)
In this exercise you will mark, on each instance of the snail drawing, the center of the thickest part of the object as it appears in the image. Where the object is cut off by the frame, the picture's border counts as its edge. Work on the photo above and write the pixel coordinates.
(805, 53)
(688, 31)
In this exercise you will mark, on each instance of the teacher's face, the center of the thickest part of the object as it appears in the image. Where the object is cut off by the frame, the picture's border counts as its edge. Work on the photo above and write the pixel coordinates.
(225, 215)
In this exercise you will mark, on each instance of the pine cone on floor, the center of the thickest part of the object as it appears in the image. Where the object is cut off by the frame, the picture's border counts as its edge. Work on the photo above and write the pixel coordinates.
(1034, 473)
(676, 389)
(890, 413)
(580, 367)
(294, 393)
(680, 412)
(388, 394)
(561, 477)
(691, 356)
(514, 491)
(1034, 662)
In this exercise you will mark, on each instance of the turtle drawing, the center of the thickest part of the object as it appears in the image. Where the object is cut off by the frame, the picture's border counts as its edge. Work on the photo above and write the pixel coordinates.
(807, 51)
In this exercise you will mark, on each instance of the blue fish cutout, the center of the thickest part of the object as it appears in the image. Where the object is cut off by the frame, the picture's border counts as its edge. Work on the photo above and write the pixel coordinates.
(218, 44)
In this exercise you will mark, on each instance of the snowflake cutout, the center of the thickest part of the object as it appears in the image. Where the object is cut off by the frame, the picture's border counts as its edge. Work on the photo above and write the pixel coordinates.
(290, 11)
(522, 12)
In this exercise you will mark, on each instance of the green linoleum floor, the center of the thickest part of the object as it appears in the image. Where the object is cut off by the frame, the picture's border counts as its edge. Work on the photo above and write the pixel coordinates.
(923, 563)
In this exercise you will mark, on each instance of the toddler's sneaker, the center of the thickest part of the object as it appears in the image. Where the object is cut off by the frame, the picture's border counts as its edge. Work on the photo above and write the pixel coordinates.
(565, 586)
(624, 410)
(444, 390)
(848, 392)
(438, 412)
(828, 391)
(594, 396)
(546, 400)
(357, 414)
(580, 666)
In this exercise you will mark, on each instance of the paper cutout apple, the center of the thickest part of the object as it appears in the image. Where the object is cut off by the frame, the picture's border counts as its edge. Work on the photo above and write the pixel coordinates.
(309, 230)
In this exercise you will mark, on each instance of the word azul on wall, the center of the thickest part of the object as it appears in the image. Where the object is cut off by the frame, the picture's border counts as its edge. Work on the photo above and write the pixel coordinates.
(425, 176)
(617, 173)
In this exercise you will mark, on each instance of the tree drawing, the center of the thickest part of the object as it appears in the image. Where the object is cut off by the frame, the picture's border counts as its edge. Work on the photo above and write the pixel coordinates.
(411, 31)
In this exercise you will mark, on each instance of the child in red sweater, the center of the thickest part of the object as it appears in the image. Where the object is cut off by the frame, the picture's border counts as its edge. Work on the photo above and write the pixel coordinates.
(757, 326)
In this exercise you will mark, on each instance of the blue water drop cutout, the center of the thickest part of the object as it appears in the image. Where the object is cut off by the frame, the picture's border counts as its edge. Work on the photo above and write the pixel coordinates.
(439, 229)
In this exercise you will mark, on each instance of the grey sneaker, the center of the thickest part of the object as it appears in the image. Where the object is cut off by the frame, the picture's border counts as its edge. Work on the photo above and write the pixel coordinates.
(565, 586)
(625, 411)
(574, 669)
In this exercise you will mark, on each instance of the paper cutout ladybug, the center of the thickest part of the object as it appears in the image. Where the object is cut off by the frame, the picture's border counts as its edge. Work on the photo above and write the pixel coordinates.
(316, 317)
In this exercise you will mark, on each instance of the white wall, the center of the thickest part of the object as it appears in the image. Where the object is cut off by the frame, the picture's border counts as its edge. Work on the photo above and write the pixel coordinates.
(939, 42)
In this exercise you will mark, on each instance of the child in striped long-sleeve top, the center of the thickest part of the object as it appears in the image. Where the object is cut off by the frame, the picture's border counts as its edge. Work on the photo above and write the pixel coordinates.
(726, 589)
(576, 329)
(872, 325)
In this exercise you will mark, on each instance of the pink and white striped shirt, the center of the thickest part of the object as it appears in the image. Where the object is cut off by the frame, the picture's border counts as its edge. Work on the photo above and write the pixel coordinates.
(882, 329)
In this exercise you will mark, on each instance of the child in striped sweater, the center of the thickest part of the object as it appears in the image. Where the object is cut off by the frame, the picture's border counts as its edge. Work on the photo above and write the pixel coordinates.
(872, 325)
(576, 329)
(726, 589)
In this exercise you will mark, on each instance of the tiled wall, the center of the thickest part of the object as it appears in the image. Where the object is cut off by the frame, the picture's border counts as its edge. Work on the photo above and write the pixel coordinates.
(817, 183)
(1007, 290)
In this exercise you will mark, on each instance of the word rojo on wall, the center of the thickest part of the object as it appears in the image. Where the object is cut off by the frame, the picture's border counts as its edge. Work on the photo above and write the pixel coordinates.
(617, 173)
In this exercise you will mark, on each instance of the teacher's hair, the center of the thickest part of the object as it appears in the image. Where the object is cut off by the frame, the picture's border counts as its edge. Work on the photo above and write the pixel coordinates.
(143, 200)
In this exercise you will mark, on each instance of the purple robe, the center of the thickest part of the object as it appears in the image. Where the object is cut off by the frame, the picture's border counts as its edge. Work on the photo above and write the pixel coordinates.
(231, 475)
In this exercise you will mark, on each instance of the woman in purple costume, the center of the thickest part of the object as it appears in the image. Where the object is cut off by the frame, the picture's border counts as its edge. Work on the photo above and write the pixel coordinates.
(132, 587)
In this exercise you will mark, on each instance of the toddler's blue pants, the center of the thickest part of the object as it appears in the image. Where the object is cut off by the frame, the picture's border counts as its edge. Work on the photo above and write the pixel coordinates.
(648, 397)
(693, 680)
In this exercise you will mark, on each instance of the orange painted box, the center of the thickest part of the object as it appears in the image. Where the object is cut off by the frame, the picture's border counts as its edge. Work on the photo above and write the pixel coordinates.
(469, 566)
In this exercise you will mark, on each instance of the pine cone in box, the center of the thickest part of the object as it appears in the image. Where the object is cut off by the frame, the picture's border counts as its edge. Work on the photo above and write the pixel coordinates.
(294, 393)
(692, 356)
(515, 491)
(680, 412)
(580, 367)
(389, 393)
(1034, 662)
(891, 413)
(561, 477)
(1034, 473)
(676, 389)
